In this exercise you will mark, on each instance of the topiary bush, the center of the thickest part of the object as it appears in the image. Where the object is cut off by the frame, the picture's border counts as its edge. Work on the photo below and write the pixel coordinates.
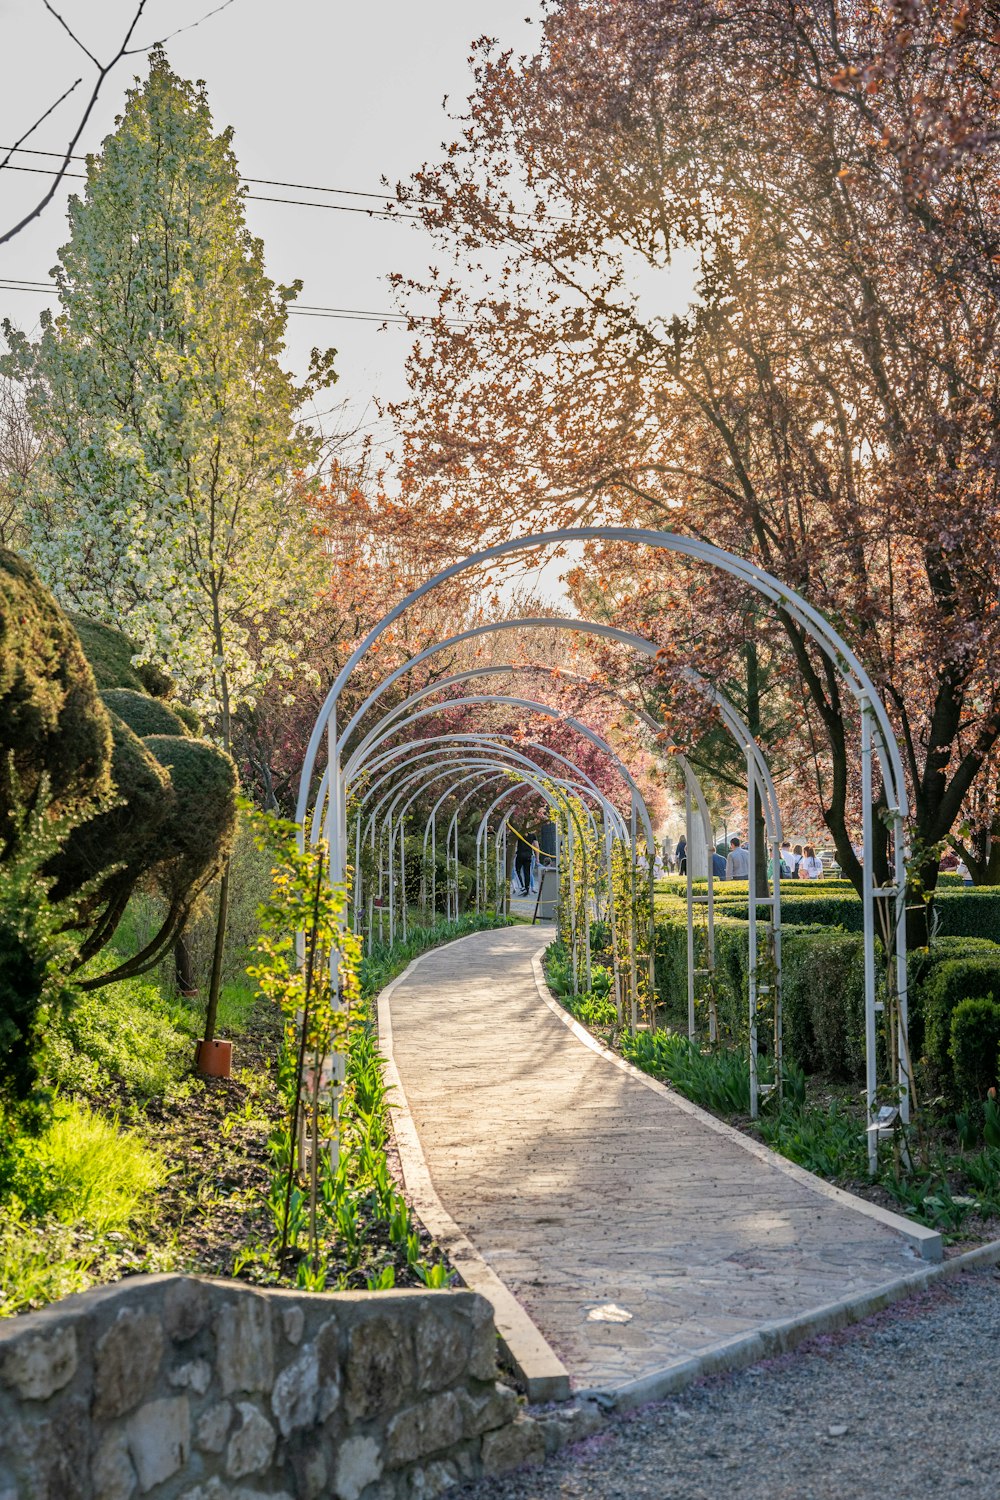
(144, 715)
(973, 1049)
(52, 722)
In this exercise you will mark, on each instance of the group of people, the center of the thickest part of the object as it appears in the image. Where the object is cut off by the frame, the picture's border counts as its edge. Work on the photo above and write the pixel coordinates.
(801, 862)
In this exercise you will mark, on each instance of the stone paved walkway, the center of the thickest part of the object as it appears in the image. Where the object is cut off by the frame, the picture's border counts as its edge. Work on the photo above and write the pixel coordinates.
(581, 1187)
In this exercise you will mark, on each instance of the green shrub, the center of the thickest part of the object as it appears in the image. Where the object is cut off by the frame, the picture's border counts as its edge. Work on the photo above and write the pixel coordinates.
(83, 1170)
(109, 653)
(944, 989)
(973, 1048)
(143, 715)
(125, 1032)
(38, 945)
(52, 722)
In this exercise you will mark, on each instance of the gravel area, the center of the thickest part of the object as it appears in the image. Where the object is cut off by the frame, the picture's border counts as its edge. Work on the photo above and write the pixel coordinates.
(905, 1406)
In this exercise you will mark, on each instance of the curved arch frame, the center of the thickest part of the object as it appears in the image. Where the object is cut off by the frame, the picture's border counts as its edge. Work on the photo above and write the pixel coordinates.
(877, 737)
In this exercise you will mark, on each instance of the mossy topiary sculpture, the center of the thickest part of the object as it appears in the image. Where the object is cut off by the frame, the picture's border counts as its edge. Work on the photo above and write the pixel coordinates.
(52, 721)
(149, 801)
(144, 715)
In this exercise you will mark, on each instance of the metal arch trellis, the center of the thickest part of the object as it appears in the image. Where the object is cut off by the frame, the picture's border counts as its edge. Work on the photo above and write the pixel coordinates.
(542, 782)
(759, 783)
(499, 753)
(392, 724)
(877, 738)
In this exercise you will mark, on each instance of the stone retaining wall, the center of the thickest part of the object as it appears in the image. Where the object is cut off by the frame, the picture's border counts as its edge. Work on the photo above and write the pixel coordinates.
(182, 1388)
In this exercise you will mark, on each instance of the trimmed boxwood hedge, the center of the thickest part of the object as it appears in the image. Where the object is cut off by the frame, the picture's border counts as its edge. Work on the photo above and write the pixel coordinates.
(823, 991)
(962, 911)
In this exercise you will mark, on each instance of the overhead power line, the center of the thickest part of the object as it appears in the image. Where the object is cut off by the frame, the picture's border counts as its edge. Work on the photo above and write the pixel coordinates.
(302, 187)
(305, 310)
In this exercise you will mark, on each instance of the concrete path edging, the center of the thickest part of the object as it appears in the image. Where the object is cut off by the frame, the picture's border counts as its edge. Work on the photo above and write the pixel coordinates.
(927, 1242)
(544, 1375)
(785, 1335)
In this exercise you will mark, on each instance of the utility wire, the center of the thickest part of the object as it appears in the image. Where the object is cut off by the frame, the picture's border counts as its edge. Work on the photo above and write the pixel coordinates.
(304, 187)
(305, 310)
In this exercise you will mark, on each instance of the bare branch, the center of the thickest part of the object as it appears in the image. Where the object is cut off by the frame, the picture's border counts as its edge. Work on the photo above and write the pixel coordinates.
(41, 119)
(71, 34)
(103, 69)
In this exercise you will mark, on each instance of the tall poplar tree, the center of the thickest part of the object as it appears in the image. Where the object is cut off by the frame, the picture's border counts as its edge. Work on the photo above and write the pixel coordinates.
(165, 502)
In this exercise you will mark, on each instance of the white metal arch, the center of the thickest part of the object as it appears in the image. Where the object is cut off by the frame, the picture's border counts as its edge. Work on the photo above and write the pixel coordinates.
(877, 737)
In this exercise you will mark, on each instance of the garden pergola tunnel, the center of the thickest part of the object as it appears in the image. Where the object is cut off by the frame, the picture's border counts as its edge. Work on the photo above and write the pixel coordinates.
(877, 742)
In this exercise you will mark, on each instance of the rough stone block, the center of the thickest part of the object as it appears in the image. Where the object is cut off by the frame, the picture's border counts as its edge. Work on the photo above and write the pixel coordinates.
(55, 1454)
(569, 1425)
(482, 1346)
(509, 1447)
(427, 1483)
(359, 1464)
(327, 1343)
(187, 1306)
(293, 1322)
(442, 1350)
(423, 1429)
(295, 1398)
(492, 1408)
(159, 1439)
(213, 1427)
(40, 1364)
(251, 1447)
(311, 1470)
(379, 1368)
(196, 1375)
(127, 1362)
(245, 1345)
(112, 1472)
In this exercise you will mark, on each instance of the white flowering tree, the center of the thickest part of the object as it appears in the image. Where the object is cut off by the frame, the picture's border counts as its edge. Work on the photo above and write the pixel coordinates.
(164, 502)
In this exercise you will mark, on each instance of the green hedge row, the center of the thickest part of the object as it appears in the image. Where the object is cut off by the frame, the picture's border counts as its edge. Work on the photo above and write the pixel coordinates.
(972, 912)
(823, 994)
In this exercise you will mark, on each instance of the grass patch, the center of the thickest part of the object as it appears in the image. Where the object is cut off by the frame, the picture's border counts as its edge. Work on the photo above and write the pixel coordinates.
(71, 1194)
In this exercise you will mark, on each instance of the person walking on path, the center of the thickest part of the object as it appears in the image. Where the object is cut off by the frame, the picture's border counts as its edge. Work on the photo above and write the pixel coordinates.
(681, 855)
(738, 863)
(522, 865)
(810, 866)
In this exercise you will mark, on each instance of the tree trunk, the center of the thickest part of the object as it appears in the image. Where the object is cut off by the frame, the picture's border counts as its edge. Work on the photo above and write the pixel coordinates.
(215, 988)
(184, 974)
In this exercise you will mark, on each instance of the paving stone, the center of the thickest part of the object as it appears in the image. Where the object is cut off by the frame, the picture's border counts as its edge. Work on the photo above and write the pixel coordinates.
(159, 1439)
(581, 1187)
(42, 1364)
(126, 1363)
(251, 1447)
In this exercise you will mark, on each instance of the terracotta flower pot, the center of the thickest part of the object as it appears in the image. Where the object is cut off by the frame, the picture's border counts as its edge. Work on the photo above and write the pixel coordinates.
(215, 1059)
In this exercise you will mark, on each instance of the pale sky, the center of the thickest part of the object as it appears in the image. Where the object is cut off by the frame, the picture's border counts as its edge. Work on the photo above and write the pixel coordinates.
(320, 92)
